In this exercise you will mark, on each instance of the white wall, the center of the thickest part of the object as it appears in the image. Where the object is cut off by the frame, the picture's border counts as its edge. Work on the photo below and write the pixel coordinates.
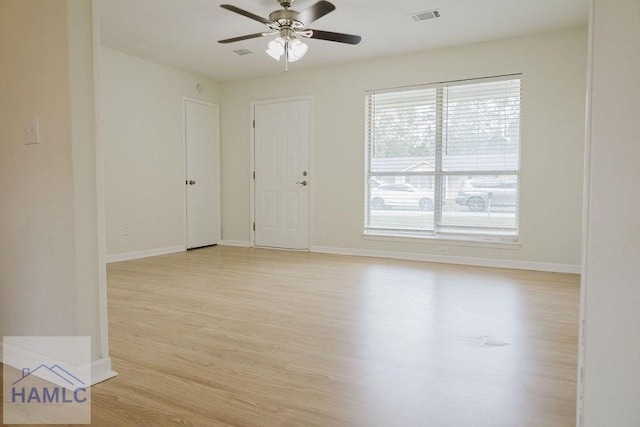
(48, 235)
(142, 135)
(611, 282)
(89, 266)
(553, 107)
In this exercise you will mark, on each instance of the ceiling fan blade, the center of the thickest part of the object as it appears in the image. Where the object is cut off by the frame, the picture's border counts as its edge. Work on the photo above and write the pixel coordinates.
(247, 37)
(335, 37)
(315, 12)
(245, 13)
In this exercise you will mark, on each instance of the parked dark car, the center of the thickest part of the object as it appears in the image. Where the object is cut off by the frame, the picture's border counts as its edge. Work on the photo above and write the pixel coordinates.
(478, 194)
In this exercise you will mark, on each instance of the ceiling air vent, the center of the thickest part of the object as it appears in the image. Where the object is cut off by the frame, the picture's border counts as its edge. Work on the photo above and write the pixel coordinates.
(424, 16)
(242, 52)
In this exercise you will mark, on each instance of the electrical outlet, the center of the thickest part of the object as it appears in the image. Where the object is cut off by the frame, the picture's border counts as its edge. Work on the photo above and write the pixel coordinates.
(442, 251)
(125, 230)
(31, 131)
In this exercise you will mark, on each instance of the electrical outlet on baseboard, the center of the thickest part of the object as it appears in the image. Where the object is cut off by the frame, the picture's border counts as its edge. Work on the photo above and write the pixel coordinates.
(442, 251)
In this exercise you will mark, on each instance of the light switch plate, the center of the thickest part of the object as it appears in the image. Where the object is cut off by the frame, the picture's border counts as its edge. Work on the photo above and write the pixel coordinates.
(31, 131)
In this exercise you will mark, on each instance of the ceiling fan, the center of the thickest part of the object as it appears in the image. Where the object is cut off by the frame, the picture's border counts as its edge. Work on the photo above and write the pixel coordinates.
(289, 25)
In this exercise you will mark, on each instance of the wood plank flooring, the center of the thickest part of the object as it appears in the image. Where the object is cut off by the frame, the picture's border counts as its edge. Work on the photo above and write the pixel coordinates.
(249, 337)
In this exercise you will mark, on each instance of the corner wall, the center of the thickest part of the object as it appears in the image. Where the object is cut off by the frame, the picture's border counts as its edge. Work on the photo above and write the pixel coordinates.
(37, 243)
(611, 288)
(49, 265)
(553, 103)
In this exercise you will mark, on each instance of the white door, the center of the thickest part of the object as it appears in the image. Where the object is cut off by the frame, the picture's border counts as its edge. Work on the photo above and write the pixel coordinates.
(202, 173)
(282, 175)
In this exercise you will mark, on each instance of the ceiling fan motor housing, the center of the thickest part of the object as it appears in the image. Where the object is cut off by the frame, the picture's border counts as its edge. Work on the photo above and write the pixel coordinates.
(286, 19)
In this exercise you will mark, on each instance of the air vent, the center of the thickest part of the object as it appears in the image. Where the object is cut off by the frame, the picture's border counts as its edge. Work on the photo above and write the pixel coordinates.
(424, 16)
(242, 52)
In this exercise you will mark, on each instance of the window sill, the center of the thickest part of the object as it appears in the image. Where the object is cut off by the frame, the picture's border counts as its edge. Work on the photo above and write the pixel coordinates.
(510, 243)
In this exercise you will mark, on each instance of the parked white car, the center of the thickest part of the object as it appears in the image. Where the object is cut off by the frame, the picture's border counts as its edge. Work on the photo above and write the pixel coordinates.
(401, 195)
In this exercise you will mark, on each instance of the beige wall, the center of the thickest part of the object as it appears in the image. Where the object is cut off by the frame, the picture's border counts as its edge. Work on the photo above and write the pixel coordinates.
(37, 260)
(553, 65)
(48, 244)
(611, 284)
(142, 135)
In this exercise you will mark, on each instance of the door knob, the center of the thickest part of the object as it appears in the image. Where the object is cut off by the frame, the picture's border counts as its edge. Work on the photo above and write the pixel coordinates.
(192, 182)
(304, 183)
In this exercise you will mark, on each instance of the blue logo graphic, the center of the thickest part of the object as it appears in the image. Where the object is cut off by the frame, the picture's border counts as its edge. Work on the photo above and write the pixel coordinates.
(73, 393)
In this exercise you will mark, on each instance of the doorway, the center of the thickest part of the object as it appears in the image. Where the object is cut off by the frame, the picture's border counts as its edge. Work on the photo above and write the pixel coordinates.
(281, 174)
(202, 173)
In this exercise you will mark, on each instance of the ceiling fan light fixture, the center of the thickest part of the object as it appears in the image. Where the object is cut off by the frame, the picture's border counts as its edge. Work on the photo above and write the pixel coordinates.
(297, 50)
(276, 48)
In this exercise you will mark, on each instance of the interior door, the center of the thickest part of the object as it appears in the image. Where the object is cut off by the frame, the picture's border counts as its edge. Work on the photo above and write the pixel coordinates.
(202, 173)
(282, 175)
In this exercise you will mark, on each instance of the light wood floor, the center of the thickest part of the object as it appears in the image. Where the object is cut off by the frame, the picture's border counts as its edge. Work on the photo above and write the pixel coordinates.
(247, 337)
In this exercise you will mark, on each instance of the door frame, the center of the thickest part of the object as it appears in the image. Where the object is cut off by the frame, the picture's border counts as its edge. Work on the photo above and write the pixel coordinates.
(252, 159)
(217, 165)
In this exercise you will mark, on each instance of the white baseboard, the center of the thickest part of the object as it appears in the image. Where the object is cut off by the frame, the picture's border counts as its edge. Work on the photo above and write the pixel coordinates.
(144, 254)
(446, 259)
(100, 369)
(238, 243)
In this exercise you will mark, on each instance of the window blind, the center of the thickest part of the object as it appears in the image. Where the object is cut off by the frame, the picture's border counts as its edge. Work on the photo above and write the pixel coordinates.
(444, 159)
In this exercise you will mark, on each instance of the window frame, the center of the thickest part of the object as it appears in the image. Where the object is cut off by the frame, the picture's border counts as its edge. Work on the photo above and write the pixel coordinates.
(440, 231)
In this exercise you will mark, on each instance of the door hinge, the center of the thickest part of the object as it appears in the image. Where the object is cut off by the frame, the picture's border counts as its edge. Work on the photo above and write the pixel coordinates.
(254, 226)
(254, 123)
(254, 174)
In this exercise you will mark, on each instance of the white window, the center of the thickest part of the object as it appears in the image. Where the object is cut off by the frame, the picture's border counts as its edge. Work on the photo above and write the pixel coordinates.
(443, 160)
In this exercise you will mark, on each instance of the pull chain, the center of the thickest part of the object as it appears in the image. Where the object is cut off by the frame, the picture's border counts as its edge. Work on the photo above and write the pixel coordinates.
(286, 56)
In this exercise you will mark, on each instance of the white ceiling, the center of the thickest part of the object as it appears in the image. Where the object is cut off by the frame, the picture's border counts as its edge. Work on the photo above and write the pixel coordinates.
(183, 33)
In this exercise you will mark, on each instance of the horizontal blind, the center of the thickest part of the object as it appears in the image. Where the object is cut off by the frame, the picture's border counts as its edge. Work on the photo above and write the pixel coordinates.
(481, 126)
(401, 147)
(479, 143)
(403, 126)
